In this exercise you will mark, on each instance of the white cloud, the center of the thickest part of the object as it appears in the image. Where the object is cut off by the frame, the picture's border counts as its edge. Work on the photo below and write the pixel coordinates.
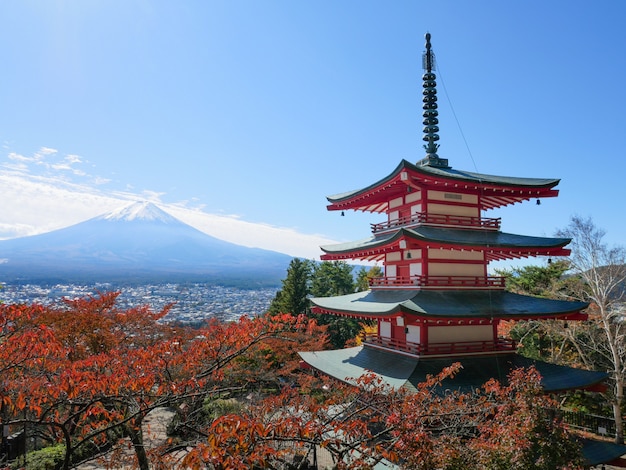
(235, 230)
(73, 159)
(20, 158)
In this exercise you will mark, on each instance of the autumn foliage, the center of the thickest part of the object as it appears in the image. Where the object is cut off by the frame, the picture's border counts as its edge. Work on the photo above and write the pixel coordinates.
(86, 374)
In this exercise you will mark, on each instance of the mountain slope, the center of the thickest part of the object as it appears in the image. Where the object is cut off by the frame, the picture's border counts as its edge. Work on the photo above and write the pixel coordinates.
(137, 242)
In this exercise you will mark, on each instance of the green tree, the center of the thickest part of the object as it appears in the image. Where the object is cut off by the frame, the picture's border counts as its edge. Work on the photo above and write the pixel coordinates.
(293, 297)
(329, 279)
(547, 281)
(332, 278)
(364, 275)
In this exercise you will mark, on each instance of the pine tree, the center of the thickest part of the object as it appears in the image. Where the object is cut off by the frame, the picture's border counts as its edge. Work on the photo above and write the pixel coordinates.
(364, 275)
(332, 278)
(293, 297)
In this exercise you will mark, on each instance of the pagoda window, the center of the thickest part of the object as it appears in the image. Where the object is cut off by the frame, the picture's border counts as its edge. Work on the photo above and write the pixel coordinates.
(455, 269)
(452, 209)
(394, 216)
(413, 334)
(397, 202)
(415, 269)
(412, 197)
(460, 333)
(384, 329)
(464, 255)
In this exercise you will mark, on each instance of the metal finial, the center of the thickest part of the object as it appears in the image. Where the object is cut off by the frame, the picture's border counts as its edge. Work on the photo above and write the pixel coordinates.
(428, 58)
(430, 105)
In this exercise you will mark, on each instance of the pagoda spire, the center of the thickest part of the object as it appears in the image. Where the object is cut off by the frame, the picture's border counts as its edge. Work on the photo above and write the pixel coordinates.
(430, 114)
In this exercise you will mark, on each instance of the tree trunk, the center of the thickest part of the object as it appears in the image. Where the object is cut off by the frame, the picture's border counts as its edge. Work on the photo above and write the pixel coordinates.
(136, 437)
(617, 412)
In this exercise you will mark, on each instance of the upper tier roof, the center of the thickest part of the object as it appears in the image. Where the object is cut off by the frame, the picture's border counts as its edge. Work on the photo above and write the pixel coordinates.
(496, 245)
(437, 304)
(493, 191)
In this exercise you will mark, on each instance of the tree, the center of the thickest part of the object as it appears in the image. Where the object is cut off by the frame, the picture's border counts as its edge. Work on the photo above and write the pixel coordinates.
(293, 297)
(521, 431)
(108, 370)
(332, 278)
(537, 339)
(305, 278)
(364, 275)
(93, 388)
(547, 281)
(88, 373)
(603, 270)
(505, 426)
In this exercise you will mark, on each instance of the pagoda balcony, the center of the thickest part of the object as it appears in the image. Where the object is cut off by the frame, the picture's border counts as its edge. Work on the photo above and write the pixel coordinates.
(438, 282)
(460, 348)
(456, 221)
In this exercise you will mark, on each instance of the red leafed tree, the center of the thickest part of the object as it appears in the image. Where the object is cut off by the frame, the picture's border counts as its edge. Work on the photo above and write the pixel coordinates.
(502, 427)
(86, 375)
(522, 431)
(105, 369)
(26, 347)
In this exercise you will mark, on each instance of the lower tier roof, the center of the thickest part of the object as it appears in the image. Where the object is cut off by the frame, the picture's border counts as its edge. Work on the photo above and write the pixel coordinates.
(399, 371)
(446, 304)
(402, 371)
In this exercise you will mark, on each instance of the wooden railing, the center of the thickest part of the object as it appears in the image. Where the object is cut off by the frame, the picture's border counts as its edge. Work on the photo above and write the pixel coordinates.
(439, 282)
(439, 219)
(460, 347)
(600, 425)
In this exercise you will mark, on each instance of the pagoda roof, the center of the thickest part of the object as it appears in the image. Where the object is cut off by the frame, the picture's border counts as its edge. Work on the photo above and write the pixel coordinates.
(495, 191)
(407, 372)
(440, 304)
(497, 245)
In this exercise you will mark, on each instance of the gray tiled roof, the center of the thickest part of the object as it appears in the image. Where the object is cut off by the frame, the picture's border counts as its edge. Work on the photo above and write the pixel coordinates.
(398, 371)
(457, 175)
(447, 303)
(485, 238)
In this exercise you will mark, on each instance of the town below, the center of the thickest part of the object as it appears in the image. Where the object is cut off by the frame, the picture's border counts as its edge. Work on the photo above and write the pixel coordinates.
(192, 302)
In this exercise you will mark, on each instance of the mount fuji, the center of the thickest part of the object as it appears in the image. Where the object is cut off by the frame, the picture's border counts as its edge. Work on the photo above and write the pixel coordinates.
(137, 243)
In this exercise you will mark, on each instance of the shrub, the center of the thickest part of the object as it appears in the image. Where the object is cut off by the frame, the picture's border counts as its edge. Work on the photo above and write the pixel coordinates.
(48, 458)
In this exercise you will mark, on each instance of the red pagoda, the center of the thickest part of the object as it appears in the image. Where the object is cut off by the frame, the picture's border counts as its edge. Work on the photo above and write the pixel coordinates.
(437, 304)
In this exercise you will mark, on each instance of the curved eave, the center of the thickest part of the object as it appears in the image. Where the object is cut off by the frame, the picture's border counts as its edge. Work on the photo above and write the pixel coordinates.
(495, 245)
(399, 371)
(449, 304)
(494, 191)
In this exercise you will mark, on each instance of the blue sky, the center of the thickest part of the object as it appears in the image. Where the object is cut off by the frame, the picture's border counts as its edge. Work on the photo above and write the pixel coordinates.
(250, 112)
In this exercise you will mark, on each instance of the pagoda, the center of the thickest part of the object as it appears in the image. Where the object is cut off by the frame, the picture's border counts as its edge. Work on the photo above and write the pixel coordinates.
(436, 303)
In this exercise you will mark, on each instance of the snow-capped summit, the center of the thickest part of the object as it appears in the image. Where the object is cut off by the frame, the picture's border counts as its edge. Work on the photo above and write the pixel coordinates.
(136, 243)
(141, 210)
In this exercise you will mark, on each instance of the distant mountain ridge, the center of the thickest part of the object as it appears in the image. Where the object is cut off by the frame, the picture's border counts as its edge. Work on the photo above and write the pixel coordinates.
(139, 242)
